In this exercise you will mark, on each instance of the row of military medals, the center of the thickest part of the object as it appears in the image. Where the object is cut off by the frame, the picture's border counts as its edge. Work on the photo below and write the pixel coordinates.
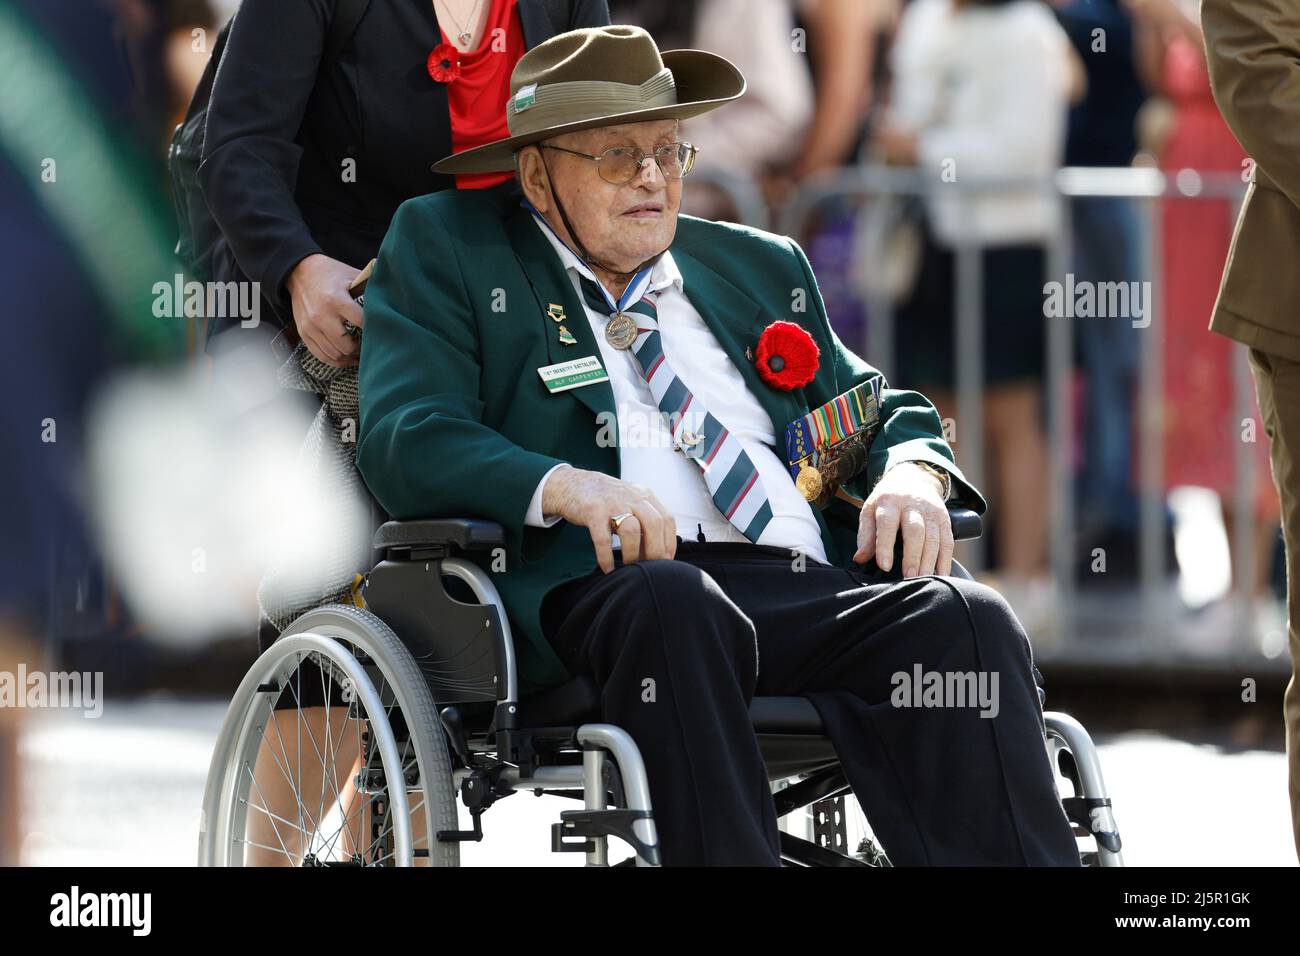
(620, 332)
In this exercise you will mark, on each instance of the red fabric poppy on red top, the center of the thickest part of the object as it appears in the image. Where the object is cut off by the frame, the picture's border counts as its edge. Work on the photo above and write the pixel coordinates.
(444, 63)
(478, 86)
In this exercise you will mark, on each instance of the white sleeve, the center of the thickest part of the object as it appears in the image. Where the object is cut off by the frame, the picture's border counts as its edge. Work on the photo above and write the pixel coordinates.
(534, 518)
(1023, 100)
(917, 59)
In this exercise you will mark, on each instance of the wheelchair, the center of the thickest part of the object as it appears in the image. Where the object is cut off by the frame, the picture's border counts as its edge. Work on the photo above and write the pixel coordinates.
(434, 717)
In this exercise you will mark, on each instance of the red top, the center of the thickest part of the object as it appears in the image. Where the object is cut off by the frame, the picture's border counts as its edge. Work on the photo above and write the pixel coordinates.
(477, 97)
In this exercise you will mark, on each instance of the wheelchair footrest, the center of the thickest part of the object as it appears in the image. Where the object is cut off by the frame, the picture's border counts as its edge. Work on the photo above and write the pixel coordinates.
(585, 824)
(1093, 814)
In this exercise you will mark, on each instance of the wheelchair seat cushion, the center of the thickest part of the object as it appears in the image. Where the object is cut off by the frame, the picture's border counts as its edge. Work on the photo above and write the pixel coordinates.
(578, 701)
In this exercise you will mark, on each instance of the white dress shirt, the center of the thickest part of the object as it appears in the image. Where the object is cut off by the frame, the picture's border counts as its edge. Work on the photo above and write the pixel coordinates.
(647, 454)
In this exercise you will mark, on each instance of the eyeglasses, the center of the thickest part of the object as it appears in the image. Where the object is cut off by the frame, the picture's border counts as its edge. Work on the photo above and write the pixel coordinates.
(619, 165)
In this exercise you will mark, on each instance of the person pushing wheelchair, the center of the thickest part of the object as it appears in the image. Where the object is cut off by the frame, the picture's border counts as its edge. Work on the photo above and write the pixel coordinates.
(597, 373)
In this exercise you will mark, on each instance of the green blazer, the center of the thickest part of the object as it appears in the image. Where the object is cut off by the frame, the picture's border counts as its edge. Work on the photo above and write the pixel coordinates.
(455, 420)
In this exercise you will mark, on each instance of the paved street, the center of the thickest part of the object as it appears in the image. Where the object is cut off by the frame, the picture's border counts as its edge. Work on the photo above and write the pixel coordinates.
(125, 789)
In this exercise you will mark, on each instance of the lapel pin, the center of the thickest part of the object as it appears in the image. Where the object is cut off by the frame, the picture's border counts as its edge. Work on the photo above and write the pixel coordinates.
(566, 337)
(556, 312)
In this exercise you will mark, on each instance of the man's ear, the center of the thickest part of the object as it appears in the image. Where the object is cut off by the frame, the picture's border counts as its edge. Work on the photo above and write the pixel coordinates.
(532, 177)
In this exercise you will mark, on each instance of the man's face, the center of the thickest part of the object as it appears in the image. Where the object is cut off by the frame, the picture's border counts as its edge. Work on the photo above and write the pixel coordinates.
(621, 225)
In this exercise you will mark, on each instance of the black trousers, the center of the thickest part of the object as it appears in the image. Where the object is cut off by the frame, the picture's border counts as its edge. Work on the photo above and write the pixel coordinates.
(679, 648)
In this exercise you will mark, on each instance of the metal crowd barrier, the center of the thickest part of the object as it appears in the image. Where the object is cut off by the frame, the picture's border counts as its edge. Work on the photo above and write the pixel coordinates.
(1156, 641)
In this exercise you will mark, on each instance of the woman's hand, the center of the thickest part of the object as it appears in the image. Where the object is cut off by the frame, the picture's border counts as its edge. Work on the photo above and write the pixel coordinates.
(318, 286)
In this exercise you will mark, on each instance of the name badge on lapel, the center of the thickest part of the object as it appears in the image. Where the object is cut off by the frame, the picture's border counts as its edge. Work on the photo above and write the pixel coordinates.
(566, 375)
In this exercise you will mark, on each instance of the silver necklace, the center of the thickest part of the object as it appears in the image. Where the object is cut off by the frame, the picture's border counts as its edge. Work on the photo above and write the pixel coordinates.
(464, 36)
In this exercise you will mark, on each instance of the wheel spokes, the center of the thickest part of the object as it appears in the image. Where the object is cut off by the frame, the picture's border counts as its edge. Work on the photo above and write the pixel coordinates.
(338, 828)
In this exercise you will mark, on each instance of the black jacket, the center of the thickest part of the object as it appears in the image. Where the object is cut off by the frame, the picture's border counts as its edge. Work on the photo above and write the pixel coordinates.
(279, 131)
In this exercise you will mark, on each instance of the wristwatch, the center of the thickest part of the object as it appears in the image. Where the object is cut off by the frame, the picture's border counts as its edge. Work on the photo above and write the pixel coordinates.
(944, 478)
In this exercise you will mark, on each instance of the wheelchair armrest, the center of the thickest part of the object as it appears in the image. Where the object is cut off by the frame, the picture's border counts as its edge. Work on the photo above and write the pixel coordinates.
(966, 524)
(472, 534)
(468, 534)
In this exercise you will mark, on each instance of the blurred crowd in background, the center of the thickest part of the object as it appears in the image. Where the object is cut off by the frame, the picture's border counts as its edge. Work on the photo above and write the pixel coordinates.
(1010, 90)
(1015, 89)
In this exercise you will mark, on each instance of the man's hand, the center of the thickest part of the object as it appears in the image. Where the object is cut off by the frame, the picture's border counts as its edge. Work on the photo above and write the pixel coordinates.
(591, 498)
(318, 286)
(910, 499)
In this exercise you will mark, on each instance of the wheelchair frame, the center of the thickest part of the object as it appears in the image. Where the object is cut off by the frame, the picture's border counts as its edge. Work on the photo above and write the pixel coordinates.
(502, 744)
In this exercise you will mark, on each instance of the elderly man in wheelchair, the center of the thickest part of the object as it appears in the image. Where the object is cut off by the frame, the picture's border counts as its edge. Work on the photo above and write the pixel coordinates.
(568, 382)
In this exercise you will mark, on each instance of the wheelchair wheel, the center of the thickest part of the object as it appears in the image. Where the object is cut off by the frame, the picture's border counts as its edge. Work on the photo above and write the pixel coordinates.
(363, 781)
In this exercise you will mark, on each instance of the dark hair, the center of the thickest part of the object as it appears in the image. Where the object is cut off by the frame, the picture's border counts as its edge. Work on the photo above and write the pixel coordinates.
(671, 24)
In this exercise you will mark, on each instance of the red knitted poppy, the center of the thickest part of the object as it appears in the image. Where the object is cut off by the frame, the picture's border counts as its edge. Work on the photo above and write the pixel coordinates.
(787, 356)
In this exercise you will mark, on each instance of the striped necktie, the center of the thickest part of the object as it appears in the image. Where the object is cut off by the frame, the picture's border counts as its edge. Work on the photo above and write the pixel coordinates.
(729, 474)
